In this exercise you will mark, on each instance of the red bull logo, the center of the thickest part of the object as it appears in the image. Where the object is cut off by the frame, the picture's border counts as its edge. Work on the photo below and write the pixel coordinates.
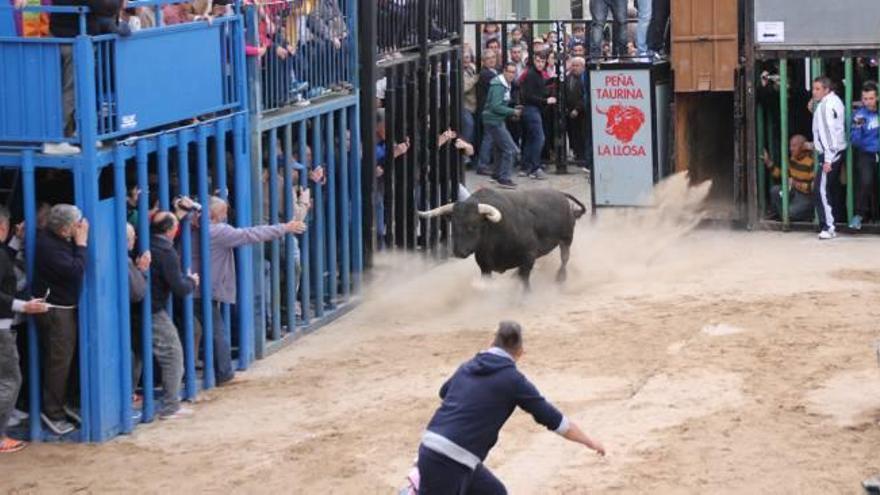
(622, 121)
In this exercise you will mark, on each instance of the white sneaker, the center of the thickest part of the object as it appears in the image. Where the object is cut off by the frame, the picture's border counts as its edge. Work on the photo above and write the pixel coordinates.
(59, 427)
(72, 414)
(19, 415)
(183, 412)
(826, 235)
(60, 149)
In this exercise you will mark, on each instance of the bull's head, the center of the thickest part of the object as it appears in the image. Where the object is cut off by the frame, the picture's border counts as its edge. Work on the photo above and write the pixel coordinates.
(623, 122)
(469, 220)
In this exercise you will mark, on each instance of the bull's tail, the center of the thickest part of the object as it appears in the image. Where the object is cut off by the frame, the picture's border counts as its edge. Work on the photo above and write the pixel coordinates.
(583, 209)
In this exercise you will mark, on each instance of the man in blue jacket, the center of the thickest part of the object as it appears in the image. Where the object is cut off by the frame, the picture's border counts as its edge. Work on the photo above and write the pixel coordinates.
(477, 401)
(866, 144)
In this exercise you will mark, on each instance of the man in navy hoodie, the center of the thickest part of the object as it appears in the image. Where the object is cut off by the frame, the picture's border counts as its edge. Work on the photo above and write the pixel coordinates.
(866, 144)
(477, 401)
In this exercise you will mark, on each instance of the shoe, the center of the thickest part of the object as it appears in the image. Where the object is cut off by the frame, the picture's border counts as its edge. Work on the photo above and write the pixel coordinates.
(72, 414)
(522, 173)
(506, 184)
(856, 223)
(137, 416)
(60, 149)
(872, 485)
(58, 426)
(483, 171)
(8, 445)
(826, 235)
(183, 412)
(539, 175)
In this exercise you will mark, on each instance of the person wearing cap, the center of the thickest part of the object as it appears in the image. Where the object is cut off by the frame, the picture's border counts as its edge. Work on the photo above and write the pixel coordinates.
(477, 401)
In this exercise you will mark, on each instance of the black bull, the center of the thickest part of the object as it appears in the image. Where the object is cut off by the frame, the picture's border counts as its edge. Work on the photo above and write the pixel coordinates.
(512, 229)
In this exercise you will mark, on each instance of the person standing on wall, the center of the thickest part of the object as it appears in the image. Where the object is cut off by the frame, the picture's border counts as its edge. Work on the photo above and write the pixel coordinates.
(829, 136)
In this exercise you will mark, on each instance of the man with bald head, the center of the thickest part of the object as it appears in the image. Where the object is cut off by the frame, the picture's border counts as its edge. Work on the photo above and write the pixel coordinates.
(166, 279)
(576, 106)
(224, 239)
(801, 174)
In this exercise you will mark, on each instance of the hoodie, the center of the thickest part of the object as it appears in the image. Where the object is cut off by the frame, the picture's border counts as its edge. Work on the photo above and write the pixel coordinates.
(497, 108)
(829, 130)
(477, 401)
(866, 137)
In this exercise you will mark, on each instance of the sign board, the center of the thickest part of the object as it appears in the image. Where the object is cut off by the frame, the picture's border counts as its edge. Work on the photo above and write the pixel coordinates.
(623, 145)
(817, 24)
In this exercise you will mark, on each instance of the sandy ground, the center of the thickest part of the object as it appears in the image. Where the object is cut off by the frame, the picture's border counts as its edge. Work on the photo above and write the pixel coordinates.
(707, 361)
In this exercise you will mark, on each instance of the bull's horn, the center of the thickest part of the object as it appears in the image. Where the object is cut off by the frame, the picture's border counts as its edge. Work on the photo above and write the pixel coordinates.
(437, 212)
(490, 212)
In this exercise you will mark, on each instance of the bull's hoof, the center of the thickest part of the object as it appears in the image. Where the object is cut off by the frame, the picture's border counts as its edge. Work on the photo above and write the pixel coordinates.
(561, 276)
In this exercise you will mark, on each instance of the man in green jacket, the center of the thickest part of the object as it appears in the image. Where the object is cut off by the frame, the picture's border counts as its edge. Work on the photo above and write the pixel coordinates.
(496, 111)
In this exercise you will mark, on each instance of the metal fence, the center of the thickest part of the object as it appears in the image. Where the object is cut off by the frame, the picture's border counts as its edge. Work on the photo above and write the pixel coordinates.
(783, 90)
(400, 23)
(301, 50)
(185, 125)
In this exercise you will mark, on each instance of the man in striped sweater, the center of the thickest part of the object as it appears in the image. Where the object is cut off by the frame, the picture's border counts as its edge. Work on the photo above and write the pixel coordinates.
(829, 137)
(800, 181)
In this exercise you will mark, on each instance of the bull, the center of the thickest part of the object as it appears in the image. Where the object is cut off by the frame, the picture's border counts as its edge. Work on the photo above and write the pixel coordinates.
(512, 229)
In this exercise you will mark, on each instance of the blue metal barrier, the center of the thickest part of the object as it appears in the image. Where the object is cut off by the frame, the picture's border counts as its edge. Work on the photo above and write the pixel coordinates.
(185, 123)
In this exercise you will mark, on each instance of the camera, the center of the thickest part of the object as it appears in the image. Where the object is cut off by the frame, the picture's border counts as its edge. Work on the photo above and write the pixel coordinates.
(195, 207)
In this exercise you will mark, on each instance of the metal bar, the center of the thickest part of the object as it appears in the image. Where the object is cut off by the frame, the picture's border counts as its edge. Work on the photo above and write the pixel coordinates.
(274, 246)
(123, 299)
(318, 238)
(357, 198)
(330, 174)
(289, 239)
(30, 243)
(345, 204)
(189, 346)
(848, 106)
(143, 228)
(762, 169)
(306, 245)
(783, 138)
(244, 303)
(366, 82)
(816, 68)
(206, 283)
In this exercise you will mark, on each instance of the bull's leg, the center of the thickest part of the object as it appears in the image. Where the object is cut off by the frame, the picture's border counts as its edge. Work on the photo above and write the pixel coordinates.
(565, 254)
(525, 272)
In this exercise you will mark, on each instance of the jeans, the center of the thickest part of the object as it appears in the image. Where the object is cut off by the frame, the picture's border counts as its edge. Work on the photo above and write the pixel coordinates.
(800, 205)
(644, 24)
(599, 11)
(223, 371)
(169, 354)
(503, 149)
(441, 475)
(486, 150)
(533, 140)
(468, 126)
(657, 29)
(10, 377)
(866, 168)
(57, 331)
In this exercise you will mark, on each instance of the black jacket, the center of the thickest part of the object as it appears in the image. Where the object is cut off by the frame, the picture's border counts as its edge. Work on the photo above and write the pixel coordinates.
(67, 25)
(7, 284)
(60, 267)
(137, 283)
(165, 271)
(533, 89)
(575, 97)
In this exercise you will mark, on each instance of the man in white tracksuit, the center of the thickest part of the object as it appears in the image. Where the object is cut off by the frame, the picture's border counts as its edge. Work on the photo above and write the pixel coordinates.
(829, 137)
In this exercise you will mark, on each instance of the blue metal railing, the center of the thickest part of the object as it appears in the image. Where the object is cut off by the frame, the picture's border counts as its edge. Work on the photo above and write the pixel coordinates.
(300, 51)
(140, 82)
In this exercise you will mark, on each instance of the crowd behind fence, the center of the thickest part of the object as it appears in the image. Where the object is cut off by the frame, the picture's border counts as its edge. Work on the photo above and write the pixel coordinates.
(787, 145)
(184, 177)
